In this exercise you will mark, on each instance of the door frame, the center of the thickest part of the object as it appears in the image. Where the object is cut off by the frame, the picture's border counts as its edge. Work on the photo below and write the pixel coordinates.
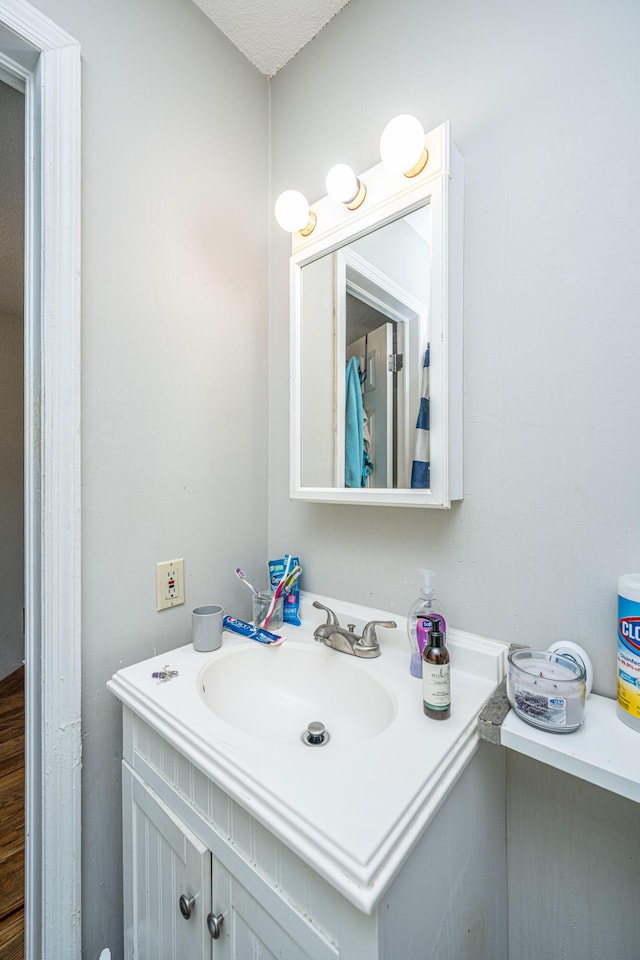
(362, 279)
(50, 72)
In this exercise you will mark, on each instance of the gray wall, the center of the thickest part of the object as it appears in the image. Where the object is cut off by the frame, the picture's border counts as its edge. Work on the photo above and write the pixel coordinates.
(174, 327)
(543, 101)
(11, 379)
(572, 866)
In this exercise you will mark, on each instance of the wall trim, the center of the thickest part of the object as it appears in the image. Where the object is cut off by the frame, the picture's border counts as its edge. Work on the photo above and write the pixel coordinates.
(52, 481)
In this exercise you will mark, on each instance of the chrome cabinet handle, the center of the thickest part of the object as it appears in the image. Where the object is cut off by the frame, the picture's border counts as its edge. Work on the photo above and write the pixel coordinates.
(186, 905)
(214, 925)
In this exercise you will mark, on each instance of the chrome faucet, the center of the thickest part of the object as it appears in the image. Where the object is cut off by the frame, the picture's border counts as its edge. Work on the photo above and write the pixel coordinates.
(347, 641)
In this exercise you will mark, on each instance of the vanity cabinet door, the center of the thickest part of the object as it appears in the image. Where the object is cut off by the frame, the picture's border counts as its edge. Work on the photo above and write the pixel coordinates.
(250, 931)
(163, 861)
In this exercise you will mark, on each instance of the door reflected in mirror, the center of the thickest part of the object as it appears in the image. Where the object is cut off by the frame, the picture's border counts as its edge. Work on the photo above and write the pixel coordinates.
(365, 330)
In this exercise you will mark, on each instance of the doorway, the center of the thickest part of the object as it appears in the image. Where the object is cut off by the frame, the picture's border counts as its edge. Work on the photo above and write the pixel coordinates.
(44, 62)
(12, 728)
(383, 325)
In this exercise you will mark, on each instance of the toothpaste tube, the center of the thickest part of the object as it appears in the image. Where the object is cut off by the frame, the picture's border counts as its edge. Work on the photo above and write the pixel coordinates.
(248, 630)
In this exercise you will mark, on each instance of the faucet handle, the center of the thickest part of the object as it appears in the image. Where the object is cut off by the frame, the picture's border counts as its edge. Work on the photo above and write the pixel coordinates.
(369, 638)
(331, 617)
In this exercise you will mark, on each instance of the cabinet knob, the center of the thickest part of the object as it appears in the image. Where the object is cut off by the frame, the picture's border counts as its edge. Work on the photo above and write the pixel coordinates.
(186, 905)
(215, 924)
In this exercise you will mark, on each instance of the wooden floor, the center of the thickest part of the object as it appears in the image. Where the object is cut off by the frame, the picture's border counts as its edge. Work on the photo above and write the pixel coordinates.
(12, 816)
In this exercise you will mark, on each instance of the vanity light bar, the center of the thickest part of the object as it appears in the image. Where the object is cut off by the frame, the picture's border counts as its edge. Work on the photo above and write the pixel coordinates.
(402, 151)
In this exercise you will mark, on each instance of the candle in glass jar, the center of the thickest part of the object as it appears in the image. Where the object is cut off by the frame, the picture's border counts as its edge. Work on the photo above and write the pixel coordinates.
(548, 693)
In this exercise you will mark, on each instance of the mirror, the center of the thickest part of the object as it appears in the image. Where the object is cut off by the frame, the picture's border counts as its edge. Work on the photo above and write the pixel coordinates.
(376, 372)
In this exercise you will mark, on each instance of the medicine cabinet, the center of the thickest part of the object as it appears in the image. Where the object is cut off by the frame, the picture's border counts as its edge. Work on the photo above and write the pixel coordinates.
(383, 285)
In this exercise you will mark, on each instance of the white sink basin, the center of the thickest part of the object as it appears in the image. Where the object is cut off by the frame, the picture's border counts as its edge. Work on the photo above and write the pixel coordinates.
(275, 692)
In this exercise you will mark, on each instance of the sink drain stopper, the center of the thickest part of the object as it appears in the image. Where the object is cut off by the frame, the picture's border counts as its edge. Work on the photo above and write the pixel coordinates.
(315, 735)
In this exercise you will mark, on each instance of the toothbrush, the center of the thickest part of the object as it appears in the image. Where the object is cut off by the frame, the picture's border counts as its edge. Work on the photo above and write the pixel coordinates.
(276, 593)
(241, 575)
(291, 578)
(286, 582)
(284, 586)
(287, 568)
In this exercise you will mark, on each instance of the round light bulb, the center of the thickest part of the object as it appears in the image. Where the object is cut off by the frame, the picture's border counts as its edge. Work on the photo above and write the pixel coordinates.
(402, 143)
(342, 183)
(292, 210)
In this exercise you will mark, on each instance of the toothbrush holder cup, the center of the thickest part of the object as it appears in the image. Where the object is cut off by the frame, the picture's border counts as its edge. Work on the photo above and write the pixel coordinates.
(206, 627)
(261, 604)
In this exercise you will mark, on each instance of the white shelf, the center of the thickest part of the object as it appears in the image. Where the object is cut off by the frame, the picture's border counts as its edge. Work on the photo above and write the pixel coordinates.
(604, 751)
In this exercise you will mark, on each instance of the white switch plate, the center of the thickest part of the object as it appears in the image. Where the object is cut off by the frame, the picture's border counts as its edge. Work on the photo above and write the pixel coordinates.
(169, 584)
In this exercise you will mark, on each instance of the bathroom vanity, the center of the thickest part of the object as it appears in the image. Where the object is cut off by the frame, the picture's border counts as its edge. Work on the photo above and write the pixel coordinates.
(241, 841)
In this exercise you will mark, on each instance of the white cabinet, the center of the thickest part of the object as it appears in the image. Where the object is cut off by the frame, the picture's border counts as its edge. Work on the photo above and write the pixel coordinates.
(164, 862)
(398, 257)
(180, 901)
(185, 836)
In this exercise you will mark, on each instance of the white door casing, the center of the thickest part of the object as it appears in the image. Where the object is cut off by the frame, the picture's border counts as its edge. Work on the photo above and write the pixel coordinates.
(50, 72)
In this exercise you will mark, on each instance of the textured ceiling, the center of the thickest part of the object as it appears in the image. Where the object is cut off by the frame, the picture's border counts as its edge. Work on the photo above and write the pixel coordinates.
(270, 32)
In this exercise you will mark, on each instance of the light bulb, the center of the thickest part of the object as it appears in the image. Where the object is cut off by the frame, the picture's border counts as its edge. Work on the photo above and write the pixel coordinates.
(402, 145)
(342, 183)
(292, 212)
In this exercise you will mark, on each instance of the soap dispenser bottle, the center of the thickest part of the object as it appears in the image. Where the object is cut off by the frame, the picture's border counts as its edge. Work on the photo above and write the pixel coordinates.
(425, 606)
(436, 681)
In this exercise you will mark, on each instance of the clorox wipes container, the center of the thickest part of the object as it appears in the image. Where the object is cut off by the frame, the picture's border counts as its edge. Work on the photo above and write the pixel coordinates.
(629, 649)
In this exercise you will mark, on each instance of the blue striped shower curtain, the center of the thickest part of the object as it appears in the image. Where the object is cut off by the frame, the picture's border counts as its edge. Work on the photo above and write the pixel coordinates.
(420, 470)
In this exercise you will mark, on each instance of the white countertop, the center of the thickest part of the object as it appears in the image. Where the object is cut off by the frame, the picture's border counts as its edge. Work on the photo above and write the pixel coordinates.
(351, 811)
(604, 750)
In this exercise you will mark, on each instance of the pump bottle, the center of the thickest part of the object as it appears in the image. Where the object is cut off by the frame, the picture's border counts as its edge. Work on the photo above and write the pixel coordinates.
(425, 606)
(436, 683)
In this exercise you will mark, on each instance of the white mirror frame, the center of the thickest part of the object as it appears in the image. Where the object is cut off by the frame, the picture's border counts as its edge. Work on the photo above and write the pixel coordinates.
(390, 196)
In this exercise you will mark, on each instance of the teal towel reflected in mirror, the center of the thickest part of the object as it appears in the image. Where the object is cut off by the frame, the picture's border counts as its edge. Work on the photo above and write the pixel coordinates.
(357, 465)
